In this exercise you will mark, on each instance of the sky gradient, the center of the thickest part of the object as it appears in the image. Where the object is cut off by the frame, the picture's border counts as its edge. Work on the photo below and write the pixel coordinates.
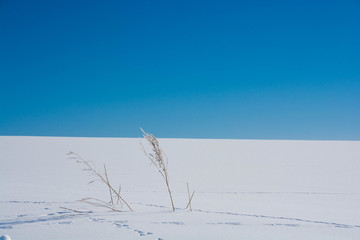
(181, 69)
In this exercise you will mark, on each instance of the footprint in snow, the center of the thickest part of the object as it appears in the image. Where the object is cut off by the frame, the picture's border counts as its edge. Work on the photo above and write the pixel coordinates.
(97, 219)
(175, 223)
(141, 233)
(6, 227)
(66, 222)
(5, 237)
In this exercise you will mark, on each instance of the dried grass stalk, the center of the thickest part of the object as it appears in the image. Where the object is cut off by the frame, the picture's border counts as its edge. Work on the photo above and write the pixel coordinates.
(118, 199)
(159, 159)
(74, 210)
(190, 197)
(108, 183)
(99, 203)
(90, 167)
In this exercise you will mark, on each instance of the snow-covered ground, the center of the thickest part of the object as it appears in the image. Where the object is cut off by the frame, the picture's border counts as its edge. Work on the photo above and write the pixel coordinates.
(244, 189)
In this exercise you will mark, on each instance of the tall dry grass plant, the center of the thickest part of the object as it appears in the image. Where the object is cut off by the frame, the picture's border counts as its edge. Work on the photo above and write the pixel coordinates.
(103, 177)
(159, 159)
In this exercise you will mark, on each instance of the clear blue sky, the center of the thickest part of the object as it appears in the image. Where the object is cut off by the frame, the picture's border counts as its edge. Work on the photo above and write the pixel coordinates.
(189, 69)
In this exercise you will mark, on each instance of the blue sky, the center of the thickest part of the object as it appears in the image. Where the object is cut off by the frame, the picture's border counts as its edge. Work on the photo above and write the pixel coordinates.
(187, 69)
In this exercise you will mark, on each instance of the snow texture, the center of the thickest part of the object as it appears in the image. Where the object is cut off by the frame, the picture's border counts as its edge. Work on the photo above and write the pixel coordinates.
(244, 189)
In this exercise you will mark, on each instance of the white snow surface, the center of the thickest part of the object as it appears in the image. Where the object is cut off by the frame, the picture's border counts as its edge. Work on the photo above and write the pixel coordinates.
(244, 189)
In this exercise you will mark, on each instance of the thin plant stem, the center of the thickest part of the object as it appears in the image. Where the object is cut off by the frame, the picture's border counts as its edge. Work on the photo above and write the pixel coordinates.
(102, 178)
(107, 179)
(189, 203)
(118, 199)
(187, 185)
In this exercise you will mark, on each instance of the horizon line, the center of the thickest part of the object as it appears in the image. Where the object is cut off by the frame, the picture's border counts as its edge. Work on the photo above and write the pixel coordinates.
(187, 138)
